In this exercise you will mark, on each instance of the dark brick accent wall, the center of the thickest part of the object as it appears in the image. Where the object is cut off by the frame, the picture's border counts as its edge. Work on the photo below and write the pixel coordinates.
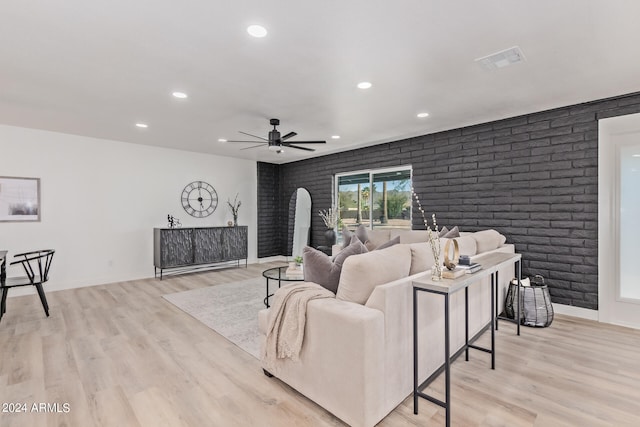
(533, 178)
(291, 221)
(269, 216)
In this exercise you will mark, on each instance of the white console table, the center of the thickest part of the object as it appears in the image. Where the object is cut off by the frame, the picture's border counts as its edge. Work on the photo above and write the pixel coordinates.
(491, 263)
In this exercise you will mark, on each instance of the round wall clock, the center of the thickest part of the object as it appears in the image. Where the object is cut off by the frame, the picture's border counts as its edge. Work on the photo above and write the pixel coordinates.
(199, 199)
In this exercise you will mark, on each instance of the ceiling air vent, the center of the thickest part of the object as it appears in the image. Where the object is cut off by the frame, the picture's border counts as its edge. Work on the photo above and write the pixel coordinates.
(502, 59)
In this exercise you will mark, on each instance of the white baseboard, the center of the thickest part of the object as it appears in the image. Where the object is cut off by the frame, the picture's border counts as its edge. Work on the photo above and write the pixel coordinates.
(271, 259)
(569, 310)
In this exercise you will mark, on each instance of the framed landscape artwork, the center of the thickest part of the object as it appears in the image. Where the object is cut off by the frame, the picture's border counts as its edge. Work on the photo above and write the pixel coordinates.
(19, 199)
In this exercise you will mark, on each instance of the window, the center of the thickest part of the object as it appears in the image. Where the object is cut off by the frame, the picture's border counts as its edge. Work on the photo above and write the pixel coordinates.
(379, 198)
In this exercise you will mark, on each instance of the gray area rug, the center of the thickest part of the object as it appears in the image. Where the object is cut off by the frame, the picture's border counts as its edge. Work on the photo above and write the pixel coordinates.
(230, 309)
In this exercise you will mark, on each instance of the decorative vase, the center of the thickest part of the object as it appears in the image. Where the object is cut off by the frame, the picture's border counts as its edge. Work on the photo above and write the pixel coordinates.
(436, 272)
(235, 220)
(330, 237)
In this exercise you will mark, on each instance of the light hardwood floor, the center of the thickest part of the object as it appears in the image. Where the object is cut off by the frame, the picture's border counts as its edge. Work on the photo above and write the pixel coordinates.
(120, 355)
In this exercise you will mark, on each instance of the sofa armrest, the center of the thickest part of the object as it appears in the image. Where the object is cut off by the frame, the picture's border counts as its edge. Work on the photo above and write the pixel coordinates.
(342, 340)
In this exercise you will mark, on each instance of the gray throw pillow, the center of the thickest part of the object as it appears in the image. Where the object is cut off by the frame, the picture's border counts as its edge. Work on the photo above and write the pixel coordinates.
(320, 269)
(361, 232)
(389, 243)
(444, 230)
(346, 237)
(454, 232)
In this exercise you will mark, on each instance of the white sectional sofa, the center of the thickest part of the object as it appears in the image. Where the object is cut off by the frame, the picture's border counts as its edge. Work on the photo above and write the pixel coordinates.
(357, 357)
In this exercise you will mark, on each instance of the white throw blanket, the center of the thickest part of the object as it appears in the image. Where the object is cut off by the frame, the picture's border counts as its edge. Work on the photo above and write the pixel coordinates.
(287, 317)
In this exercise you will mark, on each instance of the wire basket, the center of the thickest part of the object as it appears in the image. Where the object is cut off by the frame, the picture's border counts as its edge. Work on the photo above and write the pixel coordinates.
(535, 301)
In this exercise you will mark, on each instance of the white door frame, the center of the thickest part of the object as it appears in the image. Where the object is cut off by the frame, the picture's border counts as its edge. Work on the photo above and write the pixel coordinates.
(612, 132)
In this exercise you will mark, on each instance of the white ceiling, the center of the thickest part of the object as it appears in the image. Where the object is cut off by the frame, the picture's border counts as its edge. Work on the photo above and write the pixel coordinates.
(95, 68)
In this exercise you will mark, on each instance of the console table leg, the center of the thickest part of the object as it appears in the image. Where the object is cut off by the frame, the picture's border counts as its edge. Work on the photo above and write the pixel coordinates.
(519, 301)
(496, 301)
(466, 324)
(415, 352)
(447, 363)
(494, 281)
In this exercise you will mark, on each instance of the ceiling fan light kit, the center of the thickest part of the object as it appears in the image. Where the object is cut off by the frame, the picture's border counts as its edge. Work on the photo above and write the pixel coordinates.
(276, 142)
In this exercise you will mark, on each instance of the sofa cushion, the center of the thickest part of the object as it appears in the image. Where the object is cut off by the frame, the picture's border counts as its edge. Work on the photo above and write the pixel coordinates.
(421, 257)
(376, 238)
(466, 245)
(362, 273)
(321, 269)
(488, 240)
(410, 236)
(386, 244)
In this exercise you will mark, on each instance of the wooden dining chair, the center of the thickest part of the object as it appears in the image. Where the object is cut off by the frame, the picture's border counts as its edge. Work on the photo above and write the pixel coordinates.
(36, 265)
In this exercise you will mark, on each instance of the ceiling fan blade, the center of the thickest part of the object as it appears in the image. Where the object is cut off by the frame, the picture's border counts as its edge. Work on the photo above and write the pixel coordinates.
(242, 140)
(253, 146)
(284, 144)
(255, 136)
(287, 136)
(310, 142)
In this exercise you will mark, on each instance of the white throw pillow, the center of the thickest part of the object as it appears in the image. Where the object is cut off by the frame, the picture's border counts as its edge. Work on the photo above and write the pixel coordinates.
(467, 245)
(488, 240)
(362, 273)
(421, 257)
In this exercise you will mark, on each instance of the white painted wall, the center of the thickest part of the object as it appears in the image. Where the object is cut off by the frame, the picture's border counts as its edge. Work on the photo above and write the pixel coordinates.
(101, 199)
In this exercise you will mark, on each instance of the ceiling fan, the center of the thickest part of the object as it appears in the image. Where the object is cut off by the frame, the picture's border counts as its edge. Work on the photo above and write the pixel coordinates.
(275, 142)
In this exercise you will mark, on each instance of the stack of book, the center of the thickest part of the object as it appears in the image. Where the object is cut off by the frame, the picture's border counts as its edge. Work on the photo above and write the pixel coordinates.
(453, 274)
(470, 268)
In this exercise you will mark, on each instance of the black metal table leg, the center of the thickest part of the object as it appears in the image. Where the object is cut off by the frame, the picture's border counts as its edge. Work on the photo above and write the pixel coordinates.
(447, 363)
(494, 281)
(496, 314)
(415, 352)
(266, 300)
(466, 324)
(519, 301)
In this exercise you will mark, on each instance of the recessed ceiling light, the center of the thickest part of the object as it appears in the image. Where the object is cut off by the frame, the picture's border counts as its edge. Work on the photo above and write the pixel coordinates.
(635, 155)
(142, 125)
(180, 95)
(222, 140)
(335, 136)
(257, 31)
(423, 115)
(364, 85)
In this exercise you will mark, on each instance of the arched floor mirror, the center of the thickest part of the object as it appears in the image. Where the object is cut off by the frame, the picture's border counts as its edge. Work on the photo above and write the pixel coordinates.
(299, 222)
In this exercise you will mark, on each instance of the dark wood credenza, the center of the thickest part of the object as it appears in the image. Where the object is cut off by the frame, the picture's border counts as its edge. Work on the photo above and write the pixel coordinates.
(188, 249)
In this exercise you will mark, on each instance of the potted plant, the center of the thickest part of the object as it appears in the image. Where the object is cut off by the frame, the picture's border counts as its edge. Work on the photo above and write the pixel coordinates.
(234, 209)
(330, 219)
(295, 263)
